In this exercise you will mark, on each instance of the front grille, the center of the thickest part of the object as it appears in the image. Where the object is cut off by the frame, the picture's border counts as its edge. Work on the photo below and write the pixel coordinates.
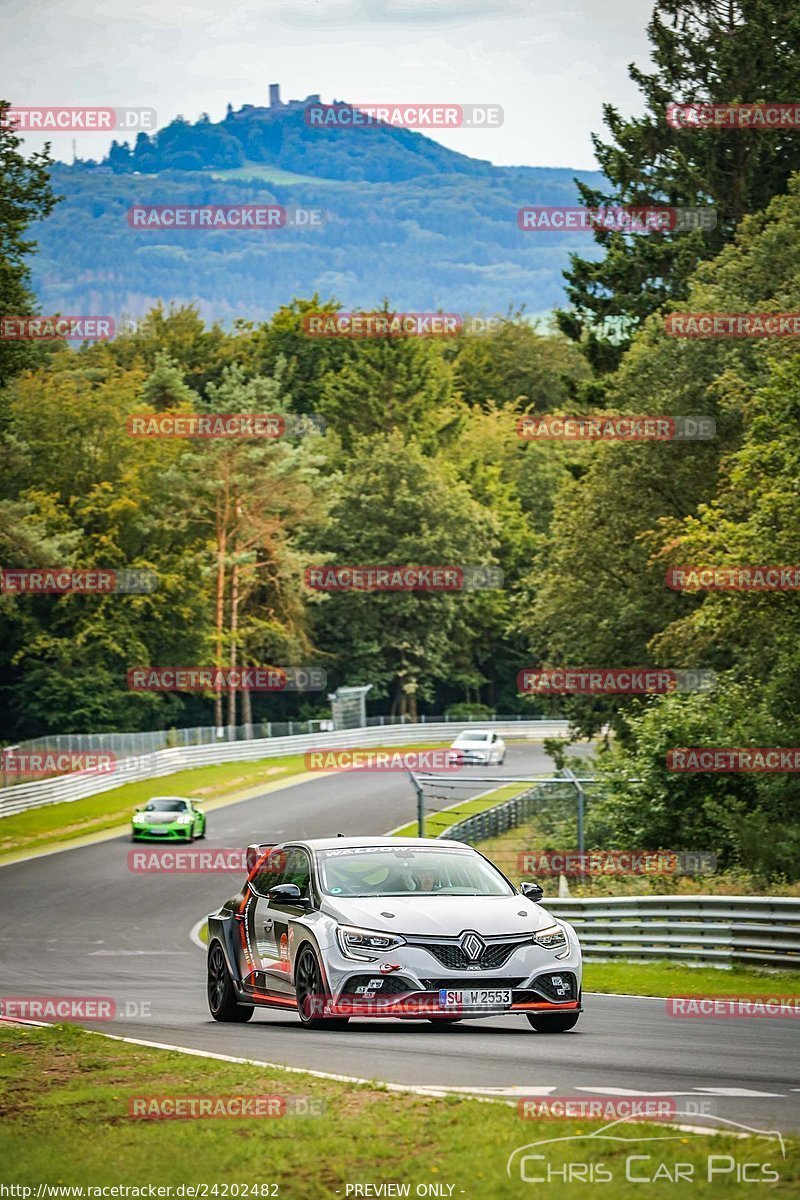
(433, 985)
(453, 957)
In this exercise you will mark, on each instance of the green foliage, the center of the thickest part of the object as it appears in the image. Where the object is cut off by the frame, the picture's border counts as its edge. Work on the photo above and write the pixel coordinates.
(25, 197)
(703, 50)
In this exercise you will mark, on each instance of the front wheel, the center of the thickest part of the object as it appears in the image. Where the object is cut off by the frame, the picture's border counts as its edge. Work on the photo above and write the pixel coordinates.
(553, 1022)
(311, 996)
(221, 996)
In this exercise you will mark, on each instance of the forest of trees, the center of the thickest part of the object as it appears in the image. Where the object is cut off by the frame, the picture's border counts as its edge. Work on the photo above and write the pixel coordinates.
(421, 462)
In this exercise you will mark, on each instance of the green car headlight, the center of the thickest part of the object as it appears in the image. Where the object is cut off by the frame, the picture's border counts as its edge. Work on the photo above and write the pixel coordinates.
(185, 818)
(138, 818)
(365, 943)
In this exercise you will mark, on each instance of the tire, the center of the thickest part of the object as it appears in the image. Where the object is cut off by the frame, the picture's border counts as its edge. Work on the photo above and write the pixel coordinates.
(311, 993)
(222, 1002)
(201, 835)
(553, 1022)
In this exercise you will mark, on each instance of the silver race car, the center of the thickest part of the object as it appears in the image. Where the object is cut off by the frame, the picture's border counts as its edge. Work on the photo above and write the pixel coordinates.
(389, 927)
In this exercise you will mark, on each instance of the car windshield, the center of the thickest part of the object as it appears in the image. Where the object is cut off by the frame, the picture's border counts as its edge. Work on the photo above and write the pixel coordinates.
(474, 737)
(166, 804)
(385, 871)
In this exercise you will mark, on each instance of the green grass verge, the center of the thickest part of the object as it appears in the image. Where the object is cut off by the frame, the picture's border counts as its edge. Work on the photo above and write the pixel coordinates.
(54, 824)
(436, 823)
(65, 1097)
(664, 978)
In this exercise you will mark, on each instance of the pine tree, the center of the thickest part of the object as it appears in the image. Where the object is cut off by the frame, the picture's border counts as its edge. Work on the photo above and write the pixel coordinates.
(721, 51)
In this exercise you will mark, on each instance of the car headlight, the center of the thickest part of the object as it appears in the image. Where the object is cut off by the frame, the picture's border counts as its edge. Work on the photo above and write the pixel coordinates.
(552, 938)
(138, 818)
(185, 818)
(365, 943)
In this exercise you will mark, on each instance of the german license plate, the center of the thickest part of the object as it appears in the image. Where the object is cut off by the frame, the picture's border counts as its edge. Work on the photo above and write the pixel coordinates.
(158, 829)
(475, 998)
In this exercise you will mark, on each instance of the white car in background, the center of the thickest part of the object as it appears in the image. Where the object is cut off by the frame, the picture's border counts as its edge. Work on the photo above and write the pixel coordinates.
(481, 746)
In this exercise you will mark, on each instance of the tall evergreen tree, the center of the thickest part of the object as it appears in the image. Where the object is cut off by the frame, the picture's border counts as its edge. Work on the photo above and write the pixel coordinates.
(720, 51)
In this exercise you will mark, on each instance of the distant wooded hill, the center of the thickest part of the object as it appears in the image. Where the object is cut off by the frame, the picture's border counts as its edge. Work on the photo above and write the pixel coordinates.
(407, 219)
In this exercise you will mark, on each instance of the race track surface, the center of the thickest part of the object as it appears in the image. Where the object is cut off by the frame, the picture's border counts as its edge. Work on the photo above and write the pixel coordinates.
(79, 922)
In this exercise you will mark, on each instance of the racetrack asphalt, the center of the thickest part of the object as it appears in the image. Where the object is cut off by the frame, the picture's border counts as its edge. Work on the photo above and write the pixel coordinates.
(80, 922)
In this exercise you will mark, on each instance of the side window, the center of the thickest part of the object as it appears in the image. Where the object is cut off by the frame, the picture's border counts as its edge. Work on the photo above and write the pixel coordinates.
(271, 872)
(297, 871)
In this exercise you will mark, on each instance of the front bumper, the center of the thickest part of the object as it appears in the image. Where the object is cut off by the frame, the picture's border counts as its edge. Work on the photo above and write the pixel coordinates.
(410, 982)
(169, 833)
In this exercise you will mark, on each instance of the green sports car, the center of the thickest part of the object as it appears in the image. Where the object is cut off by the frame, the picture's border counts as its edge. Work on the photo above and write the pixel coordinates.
(168, 819)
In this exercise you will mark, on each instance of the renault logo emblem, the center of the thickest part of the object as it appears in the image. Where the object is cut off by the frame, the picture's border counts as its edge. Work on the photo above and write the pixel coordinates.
(473, 946)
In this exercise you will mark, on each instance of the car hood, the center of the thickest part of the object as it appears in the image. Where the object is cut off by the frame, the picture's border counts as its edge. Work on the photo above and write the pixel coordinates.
(439, 916)
(164, 817)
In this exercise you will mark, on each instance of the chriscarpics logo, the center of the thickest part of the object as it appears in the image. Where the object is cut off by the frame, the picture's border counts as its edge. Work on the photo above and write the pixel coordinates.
(720, 1152)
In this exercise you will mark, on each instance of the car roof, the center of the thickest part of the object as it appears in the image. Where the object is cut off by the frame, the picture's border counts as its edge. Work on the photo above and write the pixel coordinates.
(344, 843)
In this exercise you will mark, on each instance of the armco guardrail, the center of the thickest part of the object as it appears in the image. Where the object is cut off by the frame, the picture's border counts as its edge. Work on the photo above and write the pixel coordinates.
(66, 788)
(759, 930)
(132, 744)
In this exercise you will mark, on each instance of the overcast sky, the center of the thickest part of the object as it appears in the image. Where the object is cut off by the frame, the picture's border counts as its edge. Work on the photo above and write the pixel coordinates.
(550, 65)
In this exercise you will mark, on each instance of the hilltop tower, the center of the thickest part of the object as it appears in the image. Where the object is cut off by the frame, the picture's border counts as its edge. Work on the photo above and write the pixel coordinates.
(275, 95)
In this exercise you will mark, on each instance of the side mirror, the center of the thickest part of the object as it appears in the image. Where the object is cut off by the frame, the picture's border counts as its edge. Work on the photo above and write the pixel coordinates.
(532, 891)
(288, 893)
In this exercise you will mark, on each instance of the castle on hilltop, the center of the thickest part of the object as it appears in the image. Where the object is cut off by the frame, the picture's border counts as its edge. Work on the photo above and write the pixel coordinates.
(275, 108)
(276, 104)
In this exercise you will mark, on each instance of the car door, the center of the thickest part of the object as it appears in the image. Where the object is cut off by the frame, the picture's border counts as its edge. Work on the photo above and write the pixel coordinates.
(273, 921)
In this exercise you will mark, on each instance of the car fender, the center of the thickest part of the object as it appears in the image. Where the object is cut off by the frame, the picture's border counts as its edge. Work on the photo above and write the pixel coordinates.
(221, 928)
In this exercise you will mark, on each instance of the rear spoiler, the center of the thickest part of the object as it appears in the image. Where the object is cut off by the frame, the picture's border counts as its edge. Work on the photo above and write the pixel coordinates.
(256, 852)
